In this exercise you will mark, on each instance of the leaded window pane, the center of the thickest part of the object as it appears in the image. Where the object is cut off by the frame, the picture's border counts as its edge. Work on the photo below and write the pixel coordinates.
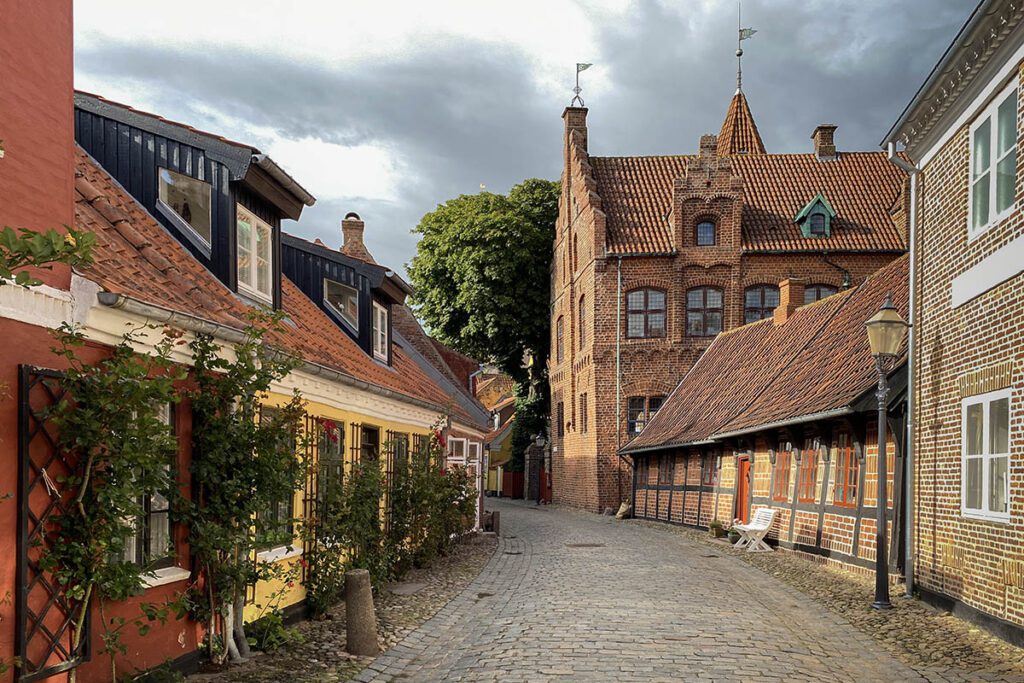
(635, 300)
(656, 323)
(655, 300)
(714, 298)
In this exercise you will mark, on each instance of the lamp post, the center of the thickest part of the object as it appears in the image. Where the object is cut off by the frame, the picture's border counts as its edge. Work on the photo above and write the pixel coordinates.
(886, 330)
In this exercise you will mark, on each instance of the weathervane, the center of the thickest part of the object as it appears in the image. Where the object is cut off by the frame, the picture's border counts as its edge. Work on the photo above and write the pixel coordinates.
(577, 90)
(743, 34)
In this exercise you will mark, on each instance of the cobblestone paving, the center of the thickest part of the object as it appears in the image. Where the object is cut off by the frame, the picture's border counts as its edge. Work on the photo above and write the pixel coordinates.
(575, 596)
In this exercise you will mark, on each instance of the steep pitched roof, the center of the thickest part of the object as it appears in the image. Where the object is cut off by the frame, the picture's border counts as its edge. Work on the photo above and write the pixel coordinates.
(739, 132)
(763, 374)
(137, 257)
(862, 187)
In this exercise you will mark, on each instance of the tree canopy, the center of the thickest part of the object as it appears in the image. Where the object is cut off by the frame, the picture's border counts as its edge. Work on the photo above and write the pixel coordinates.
(482, 273)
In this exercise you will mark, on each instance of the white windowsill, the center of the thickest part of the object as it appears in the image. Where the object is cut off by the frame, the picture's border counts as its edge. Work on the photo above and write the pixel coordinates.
(279, 553)
(975, 233)
(255, 294)
(162, 577)
(985, 516)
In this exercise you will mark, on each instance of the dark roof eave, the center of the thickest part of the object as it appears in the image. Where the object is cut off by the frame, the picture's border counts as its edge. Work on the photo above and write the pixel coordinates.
(789, 422)
(819, 250)
(626, 450)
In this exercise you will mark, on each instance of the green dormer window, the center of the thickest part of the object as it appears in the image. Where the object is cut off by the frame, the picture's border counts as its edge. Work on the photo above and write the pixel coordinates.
(815, 219)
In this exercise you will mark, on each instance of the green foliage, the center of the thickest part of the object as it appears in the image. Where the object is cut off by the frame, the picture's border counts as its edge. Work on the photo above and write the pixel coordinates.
(246, 461)
(482, 270)
(441, 504)
(530, 420)
(28, 248)
(111, 423)
(269, 633)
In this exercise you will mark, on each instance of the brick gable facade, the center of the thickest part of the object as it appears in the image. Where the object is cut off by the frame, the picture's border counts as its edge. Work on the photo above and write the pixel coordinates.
(630, 223)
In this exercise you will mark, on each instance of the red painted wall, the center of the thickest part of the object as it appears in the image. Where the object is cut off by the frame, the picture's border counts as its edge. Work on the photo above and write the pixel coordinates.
(37, 119)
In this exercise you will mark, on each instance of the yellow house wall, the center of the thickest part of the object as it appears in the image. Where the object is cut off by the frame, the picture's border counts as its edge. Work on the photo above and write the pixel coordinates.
(277, 590)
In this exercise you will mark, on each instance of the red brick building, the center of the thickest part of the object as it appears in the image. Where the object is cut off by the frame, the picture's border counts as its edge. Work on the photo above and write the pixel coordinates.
(962, 131)
(654, 256)
(782, 413)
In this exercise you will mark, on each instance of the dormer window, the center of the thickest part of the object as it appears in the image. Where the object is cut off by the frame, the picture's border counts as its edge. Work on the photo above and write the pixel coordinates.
(255, 255)
(380, 332)
(188, 199)
(344, 301)
(815, 219)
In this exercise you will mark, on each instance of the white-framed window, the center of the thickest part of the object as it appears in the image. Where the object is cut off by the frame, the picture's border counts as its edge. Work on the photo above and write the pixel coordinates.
(456, 451)
(985, 462)
(189, 198)
(255, 254)
(993, 159)
(343, 300)
(474, 451)
(380, 332)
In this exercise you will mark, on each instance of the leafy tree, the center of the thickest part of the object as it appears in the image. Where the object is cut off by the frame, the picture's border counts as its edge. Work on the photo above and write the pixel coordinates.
(482, 271)
(28, 248)
(246, 461)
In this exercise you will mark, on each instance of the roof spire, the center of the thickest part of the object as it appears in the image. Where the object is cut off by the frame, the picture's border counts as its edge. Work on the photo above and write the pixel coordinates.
(739, 132)
(741, 35)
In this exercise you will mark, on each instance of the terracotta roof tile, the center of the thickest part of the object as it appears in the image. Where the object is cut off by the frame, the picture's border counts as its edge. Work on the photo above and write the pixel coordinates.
(138, 258)
(862, 187)
(761, 373)
(739, 132)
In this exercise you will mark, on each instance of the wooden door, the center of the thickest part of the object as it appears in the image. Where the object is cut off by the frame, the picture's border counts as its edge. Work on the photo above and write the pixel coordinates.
(743, 489)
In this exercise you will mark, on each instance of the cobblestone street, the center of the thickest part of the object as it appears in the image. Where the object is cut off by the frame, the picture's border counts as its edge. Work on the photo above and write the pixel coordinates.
(576, 596)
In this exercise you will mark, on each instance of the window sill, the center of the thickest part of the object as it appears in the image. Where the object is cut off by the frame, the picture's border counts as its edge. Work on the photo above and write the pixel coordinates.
(974, 234)
(985, 517)
(162, 577)
(283, 552)
(255, 295)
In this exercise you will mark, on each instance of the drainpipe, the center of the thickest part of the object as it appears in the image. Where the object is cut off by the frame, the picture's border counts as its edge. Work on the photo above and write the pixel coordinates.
(618, 365)
(908, 561)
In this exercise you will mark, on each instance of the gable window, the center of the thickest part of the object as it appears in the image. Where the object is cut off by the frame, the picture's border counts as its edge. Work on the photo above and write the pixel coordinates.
(188, 198)
(645, 313)
(583, 413)
(583, 321)
(703, 312)
(380, 332)
(985, 480)
(844, 491)
(255, 254)
(993, 153)
(760, 302)
(152, 544)
(706, 234)
(815, 219)
(814, 293)
(783, 460)
(560, 339)
(344, 301)
(807, 489)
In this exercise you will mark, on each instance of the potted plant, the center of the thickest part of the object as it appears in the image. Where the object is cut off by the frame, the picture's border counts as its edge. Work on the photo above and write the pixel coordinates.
(734, 534)
(717, 528)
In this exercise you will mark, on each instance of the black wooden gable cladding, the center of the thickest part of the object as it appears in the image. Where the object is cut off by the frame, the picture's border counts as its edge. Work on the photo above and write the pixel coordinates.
(307, 265)
(132, 147)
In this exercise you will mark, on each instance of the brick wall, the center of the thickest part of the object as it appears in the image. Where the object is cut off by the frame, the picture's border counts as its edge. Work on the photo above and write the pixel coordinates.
(971, 560)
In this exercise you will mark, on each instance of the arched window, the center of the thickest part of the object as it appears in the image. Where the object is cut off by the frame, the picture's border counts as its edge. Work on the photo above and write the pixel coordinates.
(703, 312)
(760, 302)
(645, 313)
(706, 233)
(583, 321)
(814, 293)
(559, 339)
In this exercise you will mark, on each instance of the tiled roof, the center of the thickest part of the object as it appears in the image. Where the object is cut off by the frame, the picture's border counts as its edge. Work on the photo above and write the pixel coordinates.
(862, 187)
(739, 132)
(135, 256)
(462, 365)
(762, 374)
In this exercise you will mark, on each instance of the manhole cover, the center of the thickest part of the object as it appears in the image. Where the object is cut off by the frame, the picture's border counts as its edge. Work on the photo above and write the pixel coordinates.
(584, 545)
(513, 552)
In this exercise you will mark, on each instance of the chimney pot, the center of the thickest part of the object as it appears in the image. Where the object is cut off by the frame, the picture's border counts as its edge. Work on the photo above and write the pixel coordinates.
(352, 234)
(791, 297)
(824, 137)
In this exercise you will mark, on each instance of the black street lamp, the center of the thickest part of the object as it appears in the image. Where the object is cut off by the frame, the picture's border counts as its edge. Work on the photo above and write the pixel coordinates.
(886, 330)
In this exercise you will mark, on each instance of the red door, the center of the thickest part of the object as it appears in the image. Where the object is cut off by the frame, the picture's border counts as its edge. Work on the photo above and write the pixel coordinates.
(743, 489)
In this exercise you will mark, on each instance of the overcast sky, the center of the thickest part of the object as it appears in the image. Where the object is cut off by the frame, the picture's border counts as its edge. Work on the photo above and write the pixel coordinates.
(389, 108)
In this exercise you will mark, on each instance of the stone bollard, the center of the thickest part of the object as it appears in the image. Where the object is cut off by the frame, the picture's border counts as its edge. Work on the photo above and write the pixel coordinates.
(360, 618)
(496, 522)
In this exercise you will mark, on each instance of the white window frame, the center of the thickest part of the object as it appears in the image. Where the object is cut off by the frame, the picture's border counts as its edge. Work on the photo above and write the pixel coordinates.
(250, 288)
(354, 324)
(990, 113)
(455, 459)
(160, 184)
(380, 332)
(473, 452)
(987, 457)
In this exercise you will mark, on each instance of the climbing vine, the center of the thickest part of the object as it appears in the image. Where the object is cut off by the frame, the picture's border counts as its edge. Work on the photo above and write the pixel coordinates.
(247, 463)
(112, 422)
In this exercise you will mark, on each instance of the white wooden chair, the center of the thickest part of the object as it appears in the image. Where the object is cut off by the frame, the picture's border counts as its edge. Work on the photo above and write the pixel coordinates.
(752, 534)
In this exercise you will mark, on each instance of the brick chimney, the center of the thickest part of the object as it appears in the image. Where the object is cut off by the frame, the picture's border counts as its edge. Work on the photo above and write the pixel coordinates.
(352, 234)
(37, 131)
(824, 137)
(791, 297)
